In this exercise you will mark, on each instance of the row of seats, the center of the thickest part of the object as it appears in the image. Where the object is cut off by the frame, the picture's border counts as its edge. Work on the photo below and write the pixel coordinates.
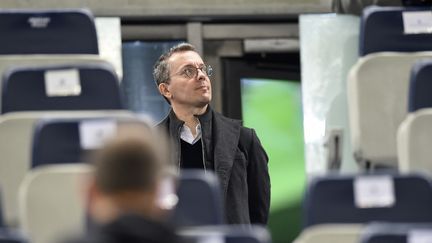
(370, 233)
(389, 110)
(388, 84)
(57, 104)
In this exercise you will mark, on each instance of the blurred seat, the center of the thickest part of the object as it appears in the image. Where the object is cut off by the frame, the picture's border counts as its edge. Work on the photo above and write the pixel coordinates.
(378, 103)
(382, 29)
(60, 140)
(8, 62)
(334, 233)
(51, 202)
(8, 235)
(71, 87)
(226, 234)
(16, 131)
(199, 200)
(414, 142)
(59, 31)
(366, 198)
(420, 86)
(396, 233)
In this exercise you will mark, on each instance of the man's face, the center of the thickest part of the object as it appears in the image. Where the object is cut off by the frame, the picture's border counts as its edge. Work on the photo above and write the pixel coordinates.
(188, 91)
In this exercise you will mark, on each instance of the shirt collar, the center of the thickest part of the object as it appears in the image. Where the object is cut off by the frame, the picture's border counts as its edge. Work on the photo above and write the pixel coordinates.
(186, 134)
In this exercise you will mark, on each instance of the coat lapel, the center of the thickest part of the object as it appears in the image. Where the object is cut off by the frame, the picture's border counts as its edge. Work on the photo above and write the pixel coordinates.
(226, 135)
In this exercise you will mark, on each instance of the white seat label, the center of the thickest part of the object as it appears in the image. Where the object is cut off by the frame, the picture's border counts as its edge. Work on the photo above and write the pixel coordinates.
(212, 238)
(94, 133)
(374, 191)
(62, 83)
(417, 22)
(420, 236)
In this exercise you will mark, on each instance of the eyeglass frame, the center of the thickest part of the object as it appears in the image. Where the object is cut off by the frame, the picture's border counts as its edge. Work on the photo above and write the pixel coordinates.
(206, 69)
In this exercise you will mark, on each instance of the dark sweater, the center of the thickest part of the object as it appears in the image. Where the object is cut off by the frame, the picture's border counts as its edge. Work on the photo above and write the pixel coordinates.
(191, 155)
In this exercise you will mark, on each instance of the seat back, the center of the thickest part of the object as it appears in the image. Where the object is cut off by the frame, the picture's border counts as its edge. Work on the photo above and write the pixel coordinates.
(396, 233)
(8, 62)
(199, 200)
(16, 131)
(414, 142)
(366, 198)
(377, 100)
(227, 234)
(382, 29)
(8, 235)
(335, 233)
(71, 87)
(59, 141)
(420, 86)
(51, 202)
(47, 32)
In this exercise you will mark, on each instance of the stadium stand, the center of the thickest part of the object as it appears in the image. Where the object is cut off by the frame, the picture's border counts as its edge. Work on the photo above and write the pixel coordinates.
(382, 29)
(420, 86)
(199, 200)
(51, 202)
(366, 198)
(335, 233)
(8, 235)
(377, 104)
(414, 142)
(16, 131)
(71, 87)
(227, 234)
(47, 32)
(396, 233)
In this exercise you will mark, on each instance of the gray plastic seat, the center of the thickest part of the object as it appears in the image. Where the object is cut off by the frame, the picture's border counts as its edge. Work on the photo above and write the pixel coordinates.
(67, 31)
(199, 200)
(227, 234)
(16, 131)
(377, 104)
(68, 87)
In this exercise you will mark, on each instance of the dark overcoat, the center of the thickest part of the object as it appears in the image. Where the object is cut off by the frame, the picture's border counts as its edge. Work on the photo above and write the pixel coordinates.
(235, 154)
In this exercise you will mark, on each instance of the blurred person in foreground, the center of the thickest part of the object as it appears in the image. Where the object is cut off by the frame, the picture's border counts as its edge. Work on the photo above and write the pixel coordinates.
(204, 139)
(123, 193)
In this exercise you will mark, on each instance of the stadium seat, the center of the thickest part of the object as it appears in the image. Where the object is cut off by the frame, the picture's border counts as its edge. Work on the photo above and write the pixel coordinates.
(334, 233)
(199, 200)
(396, 233)
(16, 130)
(8, 235)
(420, 86)
(60, 141)
(12, 61)
(414, 142)
(70, 87)
(47, 32)
(378, 103)
(365, 198)
(51, 202)
(226, 234)
(382, 29)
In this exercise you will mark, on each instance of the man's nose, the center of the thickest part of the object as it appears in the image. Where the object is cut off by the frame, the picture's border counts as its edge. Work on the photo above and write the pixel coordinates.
(201, 74)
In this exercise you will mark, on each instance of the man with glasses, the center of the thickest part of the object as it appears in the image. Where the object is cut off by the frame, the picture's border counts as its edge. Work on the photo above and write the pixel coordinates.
(204, 139)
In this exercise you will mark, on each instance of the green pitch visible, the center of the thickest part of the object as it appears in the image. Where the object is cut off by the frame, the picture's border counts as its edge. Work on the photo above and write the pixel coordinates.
(273, 109)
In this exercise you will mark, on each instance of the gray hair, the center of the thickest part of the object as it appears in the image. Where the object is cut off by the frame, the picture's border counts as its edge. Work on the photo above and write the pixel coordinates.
(161, 68)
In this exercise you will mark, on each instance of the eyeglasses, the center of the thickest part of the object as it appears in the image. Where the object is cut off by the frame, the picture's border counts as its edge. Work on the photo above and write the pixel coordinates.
(192, 72)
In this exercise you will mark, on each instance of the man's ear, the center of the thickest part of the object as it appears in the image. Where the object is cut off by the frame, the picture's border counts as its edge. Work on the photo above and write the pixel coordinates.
(163, 89)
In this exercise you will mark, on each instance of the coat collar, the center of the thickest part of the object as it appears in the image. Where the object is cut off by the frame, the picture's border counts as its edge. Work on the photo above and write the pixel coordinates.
(224, 142)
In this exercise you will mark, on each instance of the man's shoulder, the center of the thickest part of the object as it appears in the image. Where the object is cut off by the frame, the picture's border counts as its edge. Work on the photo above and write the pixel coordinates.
(221, 118)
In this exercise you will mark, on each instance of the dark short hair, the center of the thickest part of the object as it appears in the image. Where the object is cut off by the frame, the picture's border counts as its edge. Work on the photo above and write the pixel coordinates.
(161, 68)
(133, 161)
